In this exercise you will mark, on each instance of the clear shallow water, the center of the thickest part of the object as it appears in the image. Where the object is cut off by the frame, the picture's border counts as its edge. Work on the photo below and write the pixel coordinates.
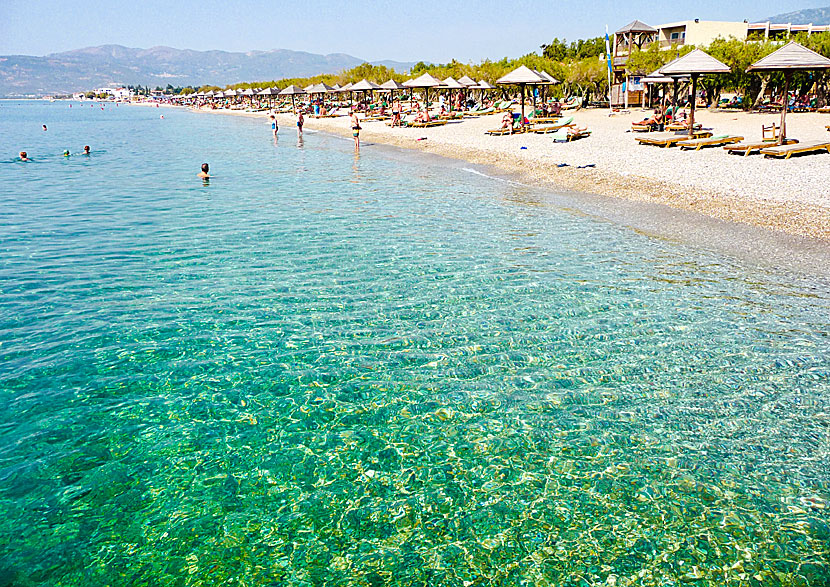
(324, 369)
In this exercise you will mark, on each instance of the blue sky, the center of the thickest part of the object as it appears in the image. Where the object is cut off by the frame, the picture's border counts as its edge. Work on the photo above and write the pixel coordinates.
(432, 30)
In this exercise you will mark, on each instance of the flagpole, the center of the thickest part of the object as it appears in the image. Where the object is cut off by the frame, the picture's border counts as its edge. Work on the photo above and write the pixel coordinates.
(608, 59)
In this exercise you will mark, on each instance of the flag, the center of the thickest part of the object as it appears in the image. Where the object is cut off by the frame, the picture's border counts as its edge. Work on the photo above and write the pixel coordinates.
(608, 50)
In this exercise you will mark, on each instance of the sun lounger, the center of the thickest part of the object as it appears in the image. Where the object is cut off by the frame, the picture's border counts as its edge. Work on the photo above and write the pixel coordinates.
(640, 127)
(567, 134)
(480, 112)
(786, 151)
(376, 118)
(429, 124)
(678, 126)
(543, 119)
(671, 139)
(824, 110)
(718, 141)
(555, 127)
(747, 148)
(501, 131)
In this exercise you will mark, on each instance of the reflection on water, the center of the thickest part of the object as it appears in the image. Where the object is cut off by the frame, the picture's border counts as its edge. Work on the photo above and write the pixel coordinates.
(360, 371)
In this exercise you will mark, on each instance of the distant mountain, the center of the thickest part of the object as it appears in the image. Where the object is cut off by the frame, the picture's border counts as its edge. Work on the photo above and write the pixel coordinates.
(817, 16)
(93, 67)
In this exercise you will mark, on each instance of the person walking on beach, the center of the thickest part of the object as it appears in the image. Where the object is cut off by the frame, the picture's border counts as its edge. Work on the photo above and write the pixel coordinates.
(205, 172)
(300, 121)
(274, 125)
(396, 112)
(356, 130)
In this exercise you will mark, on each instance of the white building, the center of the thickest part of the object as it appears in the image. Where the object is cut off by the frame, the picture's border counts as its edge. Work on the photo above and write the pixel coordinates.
(119, 93)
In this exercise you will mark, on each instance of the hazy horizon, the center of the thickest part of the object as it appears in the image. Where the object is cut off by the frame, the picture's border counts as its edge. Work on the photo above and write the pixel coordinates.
(375, 30)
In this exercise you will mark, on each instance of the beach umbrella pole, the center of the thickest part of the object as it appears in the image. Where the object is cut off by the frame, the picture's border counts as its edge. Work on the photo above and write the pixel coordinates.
(522, 87)
(692, 109)
(782, 133)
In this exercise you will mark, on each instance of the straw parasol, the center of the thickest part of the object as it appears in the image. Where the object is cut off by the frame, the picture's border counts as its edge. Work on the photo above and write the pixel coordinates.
(789, 58)
(392, 86)
(321, 88)
(483, 85)
(292, 91)
(364, 86)
(426, 82)
(695, 64)
(451, 84)
(521, 76)
(270, 92)
(467, 81)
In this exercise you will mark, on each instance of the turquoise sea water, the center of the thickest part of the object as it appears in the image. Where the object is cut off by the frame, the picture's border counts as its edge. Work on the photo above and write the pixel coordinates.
(324, 369)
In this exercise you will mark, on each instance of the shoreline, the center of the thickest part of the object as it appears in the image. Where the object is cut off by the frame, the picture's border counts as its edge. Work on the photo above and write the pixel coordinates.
(783, 215)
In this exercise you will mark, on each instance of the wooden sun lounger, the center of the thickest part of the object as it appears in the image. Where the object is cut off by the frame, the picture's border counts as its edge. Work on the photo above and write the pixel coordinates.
(428, 124)
(543, 119)
(786, 151)
(635, 127)
(501, 131)
(671, 139)
(824, 110)
(678, 126)
(698, 144)
(568, 134)
(375, 118)
(747, 148)
(555, 127)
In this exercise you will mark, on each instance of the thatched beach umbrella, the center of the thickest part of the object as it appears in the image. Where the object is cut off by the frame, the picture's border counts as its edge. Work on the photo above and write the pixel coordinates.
(292, 91)
(695, 64)
(364, 86)
(467, 81)
(451, 84)
(391, 86)
(426, 82)
(521, 76)
(789, 58)
(269, 93)
(655, 78)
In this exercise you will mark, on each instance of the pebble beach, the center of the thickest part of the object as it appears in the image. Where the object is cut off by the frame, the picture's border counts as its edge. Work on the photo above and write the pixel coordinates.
(789, 196)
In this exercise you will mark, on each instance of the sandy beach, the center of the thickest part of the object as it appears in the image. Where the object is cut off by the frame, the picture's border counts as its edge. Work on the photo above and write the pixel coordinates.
(790, 196)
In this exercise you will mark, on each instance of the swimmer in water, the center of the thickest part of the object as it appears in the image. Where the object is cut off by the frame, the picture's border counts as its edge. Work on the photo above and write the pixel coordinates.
(66, 153)
(205, 172)
(24, 156)
(44, 127)
(274, 125)
(86, 150)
